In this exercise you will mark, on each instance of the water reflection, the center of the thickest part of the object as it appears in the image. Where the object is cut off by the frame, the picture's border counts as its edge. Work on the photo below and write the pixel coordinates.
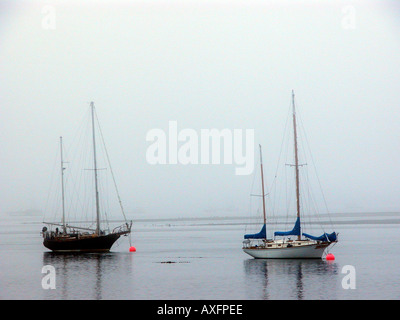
(88, 276)
(289, 278)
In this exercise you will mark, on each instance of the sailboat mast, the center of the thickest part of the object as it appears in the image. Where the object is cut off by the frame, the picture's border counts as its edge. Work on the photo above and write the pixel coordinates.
(62, 188)
(296, 159)
(262, 186)
(95, 173)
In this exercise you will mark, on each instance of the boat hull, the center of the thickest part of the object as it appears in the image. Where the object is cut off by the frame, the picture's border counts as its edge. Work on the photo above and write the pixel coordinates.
(311, 251)
(89, 244)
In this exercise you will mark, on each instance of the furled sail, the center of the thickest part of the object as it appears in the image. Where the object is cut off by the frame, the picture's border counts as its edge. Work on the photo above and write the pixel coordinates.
(294, 232)
(325, 237)
(261, 235)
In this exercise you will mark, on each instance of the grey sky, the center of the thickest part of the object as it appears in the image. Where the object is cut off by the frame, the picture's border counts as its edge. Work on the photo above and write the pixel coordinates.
(205, 64)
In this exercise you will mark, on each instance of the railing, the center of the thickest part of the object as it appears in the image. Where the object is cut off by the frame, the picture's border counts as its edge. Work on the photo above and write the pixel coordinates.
(124, 228)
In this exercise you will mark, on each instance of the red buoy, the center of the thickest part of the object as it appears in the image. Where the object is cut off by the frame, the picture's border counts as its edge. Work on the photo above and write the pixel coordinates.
(330, 256)
(132, 249)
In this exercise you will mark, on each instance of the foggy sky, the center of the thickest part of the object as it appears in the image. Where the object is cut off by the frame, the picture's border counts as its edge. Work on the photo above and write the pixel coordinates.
(205, 64)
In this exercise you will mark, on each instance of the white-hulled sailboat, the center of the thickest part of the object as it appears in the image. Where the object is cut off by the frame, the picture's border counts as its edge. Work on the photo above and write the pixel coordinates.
(305, 246)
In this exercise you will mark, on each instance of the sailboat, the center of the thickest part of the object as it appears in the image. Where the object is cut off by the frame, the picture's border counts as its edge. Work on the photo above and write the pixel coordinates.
(77, 238)
(304, 246)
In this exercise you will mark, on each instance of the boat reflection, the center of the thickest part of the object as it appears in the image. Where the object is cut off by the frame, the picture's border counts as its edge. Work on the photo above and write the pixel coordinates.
(87, 276)
(292, 279)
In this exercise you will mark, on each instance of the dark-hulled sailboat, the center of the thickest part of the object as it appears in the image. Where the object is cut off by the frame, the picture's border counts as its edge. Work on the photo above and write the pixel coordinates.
(78, 238)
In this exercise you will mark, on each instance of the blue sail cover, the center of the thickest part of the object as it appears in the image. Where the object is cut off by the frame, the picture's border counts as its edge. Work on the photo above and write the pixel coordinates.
(325, 237)
(294, 232)
(261, 235)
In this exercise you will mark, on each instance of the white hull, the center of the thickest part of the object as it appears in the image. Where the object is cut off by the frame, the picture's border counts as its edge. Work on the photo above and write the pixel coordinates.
(307, 251)
(258, 246)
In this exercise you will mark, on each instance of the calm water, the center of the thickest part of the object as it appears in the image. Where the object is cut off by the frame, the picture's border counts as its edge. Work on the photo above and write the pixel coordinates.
(201, 259)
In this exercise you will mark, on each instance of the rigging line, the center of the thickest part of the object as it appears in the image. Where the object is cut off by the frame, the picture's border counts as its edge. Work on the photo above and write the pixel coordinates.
(315, 169)
(274, 185)
(91, 205)
(273, 205)
(281, 147)
(308, 203)
(103, 189)
(77, 201)
(251, 201)
(88, 181)
(292, 196)
(304, 177)
(73, 205)
(77, 153)
(250, 225)
(52, 181)
(111, 170)
(82, 177)
(313, 202)
(288, 184)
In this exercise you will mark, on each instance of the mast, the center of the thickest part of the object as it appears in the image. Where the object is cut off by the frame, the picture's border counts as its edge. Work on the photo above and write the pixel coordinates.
(95, 173)
(296, 159)
(62, 188)
(262, 186)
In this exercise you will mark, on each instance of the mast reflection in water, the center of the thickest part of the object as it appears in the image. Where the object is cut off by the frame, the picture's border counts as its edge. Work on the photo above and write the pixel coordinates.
(87, 276)
(295, 279)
